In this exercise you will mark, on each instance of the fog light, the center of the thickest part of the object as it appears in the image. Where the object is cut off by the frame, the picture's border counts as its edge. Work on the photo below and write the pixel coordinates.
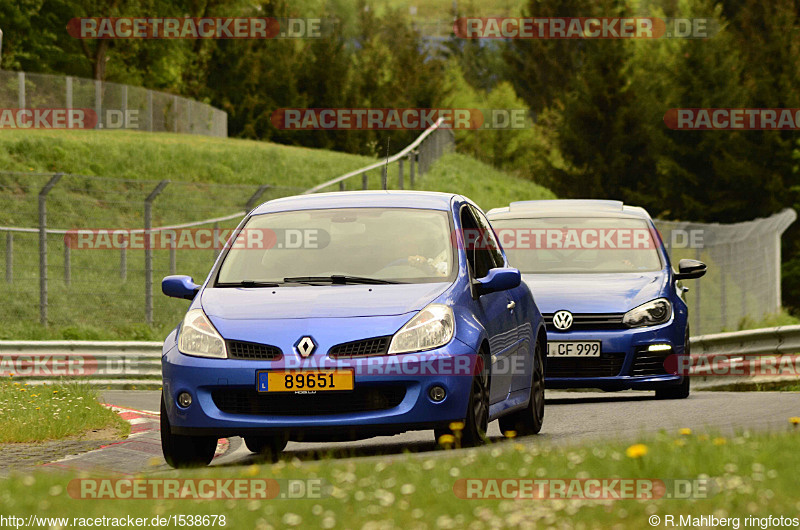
(437, 393)
(184, 399)
(659, 347)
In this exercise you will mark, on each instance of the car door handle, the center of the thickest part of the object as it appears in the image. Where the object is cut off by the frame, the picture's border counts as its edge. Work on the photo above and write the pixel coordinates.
(511, 305)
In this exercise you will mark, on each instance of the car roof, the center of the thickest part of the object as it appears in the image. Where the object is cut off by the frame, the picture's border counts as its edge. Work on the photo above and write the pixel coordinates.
(426, 200)
(567, 208)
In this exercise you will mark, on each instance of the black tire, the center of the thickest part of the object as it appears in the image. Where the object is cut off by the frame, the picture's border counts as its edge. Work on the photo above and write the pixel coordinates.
(529, 420)
(678, 391)
(184, 451)
(476, 420)
(267, 446)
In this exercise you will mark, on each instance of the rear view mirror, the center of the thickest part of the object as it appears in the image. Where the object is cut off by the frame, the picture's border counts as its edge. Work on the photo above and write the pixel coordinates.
(498, 279)
(179, 287)
(689, 269)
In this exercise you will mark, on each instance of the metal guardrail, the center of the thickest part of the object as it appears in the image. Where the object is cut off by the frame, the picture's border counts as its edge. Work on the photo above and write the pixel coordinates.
(764, 341)
(104, 363)
(420, 155)
(133, 363)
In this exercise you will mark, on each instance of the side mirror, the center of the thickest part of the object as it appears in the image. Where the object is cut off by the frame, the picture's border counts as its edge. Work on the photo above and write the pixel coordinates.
(689, 269)
(499, 279)
(179, 287)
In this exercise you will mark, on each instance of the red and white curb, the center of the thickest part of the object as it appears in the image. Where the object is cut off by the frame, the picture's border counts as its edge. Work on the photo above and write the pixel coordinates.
(138, 452)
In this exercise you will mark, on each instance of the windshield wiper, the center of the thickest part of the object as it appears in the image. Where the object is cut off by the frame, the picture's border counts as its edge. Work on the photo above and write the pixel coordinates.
(249, 283)
(337, 279)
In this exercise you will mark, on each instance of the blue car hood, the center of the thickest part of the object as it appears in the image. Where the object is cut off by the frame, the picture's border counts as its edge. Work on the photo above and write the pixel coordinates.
(595, 293)
(328, 301)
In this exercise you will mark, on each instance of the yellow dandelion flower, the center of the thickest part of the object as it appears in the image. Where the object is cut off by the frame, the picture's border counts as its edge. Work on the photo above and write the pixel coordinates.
(794, 420)
(686, 431)
(446, 439)
(510, 434)
(457, 426)
(636, 451)
(719, 441)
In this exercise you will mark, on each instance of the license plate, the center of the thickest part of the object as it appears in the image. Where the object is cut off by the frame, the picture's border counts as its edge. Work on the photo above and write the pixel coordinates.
(574, 349)
(304, 380)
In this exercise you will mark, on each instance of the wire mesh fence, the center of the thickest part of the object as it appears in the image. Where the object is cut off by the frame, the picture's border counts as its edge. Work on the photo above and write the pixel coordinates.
(111, 105)
(102, 281)
(744, 269)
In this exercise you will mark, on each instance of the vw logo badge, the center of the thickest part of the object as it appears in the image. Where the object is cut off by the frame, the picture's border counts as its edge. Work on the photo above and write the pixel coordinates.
(305, 346)
(562, 320)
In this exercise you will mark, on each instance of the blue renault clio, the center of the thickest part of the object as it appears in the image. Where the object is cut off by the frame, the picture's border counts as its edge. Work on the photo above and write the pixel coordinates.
(348, 315)
(613, 306)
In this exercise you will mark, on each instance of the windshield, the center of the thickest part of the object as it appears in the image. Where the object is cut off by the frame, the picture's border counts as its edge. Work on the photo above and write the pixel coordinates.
(578, 245)
(397, 245)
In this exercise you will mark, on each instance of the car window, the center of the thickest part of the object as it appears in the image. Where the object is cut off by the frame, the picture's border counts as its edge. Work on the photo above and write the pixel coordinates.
(479, 257)
(489, 239)
(579, 244)
(398, 244)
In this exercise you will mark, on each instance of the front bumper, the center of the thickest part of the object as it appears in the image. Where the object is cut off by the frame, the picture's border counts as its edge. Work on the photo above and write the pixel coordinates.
(207, 379)
(625, 360)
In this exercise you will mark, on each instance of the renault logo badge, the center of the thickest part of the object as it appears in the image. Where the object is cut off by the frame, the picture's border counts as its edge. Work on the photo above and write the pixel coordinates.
(305, 346)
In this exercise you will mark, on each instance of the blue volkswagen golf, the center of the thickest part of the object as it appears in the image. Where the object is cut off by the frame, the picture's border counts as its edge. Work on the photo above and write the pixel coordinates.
(348, 315)
(613, 306)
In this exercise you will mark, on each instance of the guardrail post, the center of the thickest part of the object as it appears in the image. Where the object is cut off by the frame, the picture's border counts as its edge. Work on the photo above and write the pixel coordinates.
(148, 250)
(216, 233)
(124, 98)
(150, 110)
(400, 174)
(697, 325)
(9, 257)
(251, 202)
(43, 246)
(364, 181)
(172, 257)
(21, 90)
(412, 161)
(98, 101)
(175, 114)
(341, 185)
(68, 95)
(67, 265)
(384, 177)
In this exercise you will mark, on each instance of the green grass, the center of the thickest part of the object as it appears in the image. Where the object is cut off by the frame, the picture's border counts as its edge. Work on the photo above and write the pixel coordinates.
(36, 413)
(747, 475)
(487, 186)
(211, 177)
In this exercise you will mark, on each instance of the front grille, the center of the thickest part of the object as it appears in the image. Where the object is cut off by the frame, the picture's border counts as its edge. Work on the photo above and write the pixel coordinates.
(607, 365)
(650, 363)
(581, 321)
(362, 399)
(239, 349)
(361, 348)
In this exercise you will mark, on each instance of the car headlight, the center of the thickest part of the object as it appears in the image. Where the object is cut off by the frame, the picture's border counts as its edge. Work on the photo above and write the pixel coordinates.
(198, 337)
(653, 312)
(432, 327)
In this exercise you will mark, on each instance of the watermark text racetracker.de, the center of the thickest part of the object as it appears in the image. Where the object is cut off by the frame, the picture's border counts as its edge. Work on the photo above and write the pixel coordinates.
(725, 119)
(68, 118)
(196, 238)
(134, 488)
(600, 488)
(726, 364)
(199, 28)
(584, 28)
(362, 119)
